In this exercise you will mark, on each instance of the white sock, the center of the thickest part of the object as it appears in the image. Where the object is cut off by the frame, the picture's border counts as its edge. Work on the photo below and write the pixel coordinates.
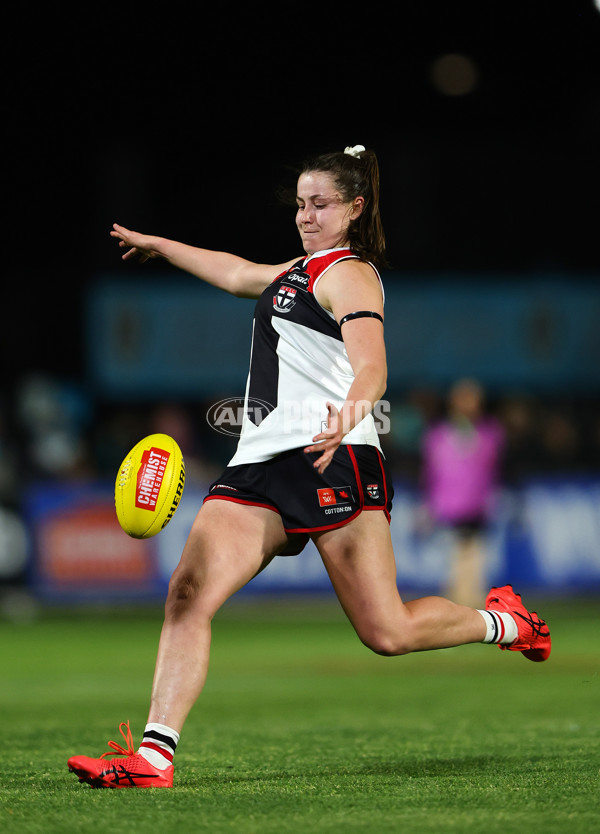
(501, 627)
(158, 745)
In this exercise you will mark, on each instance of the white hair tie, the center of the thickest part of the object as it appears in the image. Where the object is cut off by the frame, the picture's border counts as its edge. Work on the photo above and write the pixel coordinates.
(355, 151)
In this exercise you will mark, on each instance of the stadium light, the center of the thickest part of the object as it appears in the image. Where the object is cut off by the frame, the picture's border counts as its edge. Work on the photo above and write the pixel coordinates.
(454, 74)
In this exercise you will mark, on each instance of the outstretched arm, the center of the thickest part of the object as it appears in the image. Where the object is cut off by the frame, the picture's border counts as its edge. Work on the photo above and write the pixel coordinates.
(228, 272)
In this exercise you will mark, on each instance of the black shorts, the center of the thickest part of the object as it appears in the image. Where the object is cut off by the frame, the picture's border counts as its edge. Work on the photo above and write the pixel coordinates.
(356, 479)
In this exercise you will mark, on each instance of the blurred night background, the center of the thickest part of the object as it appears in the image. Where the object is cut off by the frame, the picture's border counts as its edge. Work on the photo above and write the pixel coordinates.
(486, 120)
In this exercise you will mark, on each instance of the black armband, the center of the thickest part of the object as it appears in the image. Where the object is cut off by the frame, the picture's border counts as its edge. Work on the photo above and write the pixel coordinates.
(361, 314)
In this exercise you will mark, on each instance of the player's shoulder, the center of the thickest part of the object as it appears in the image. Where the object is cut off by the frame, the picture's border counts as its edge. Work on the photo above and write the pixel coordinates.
(353, 270)
(340, 261)
(354, 266)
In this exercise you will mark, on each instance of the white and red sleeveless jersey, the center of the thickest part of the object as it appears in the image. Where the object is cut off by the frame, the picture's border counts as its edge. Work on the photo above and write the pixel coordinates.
(298, 363)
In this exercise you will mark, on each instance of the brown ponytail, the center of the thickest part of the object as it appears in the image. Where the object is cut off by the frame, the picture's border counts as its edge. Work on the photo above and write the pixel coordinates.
(357, 176)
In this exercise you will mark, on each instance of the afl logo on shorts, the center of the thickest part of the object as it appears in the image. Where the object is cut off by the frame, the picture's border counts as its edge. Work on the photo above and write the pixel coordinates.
(285, 299)
(334, 495)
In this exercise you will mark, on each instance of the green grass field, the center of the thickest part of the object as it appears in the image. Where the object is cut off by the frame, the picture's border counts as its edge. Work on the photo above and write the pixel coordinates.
(302, 729)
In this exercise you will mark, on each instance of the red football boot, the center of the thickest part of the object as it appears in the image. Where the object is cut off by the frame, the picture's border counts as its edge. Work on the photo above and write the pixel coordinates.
(533, 638)
(133, 771)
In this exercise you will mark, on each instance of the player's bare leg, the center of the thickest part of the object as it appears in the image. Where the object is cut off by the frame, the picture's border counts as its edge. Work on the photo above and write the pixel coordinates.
(360, 562)
(228, 545)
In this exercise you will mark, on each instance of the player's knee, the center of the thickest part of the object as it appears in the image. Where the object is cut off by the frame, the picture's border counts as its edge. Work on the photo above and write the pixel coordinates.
(184, 591)
(384, 642)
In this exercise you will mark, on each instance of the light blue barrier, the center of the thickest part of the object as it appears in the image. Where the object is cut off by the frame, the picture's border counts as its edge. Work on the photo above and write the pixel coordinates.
(174, 336)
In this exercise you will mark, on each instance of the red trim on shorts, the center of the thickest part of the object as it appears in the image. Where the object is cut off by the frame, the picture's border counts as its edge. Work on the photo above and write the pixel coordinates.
(288, 529)
(241, 501)
(361, 495)
(382, 476)
(383, 480)
(379, 510)
(324, 527)
(339, 523)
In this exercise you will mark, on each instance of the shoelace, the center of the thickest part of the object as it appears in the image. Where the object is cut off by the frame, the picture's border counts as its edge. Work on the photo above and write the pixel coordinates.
(119, 750)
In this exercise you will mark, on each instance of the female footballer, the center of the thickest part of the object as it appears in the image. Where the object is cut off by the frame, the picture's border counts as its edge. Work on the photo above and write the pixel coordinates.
(309, 467)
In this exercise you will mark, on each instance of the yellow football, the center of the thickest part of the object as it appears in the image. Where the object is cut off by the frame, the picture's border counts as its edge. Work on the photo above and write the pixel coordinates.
(149, 486)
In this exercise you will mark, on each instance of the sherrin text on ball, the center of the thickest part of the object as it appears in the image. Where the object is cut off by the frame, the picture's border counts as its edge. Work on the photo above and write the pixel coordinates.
(149, 486)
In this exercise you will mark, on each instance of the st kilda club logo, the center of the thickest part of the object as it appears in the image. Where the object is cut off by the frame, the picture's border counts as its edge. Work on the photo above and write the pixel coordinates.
(285, 299)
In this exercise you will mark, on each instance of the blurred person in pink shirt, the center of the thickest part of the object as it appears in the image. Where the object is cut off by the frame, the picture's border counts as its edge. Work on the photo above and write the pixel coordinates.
(462, 458)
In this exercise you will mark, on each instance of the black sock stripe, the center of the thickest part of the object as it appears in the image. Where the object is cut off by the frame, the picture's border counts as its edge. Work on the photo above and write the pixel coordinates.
(160, 737)
(496, 626)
